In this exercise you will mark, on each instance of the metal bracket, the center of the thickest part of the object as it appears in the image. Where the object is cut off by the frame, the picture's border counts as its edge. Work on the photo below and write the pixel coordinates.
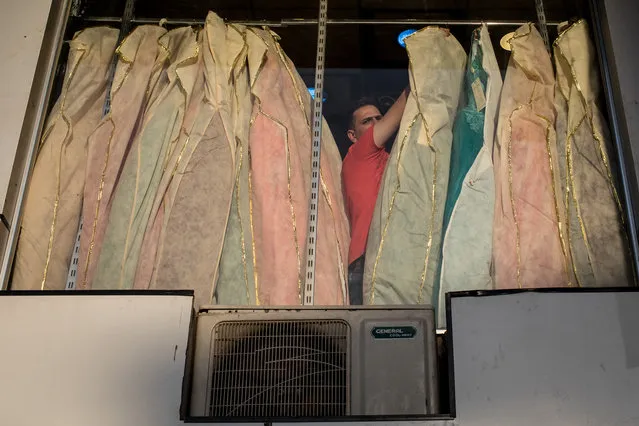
(543, 25)
(313, 211)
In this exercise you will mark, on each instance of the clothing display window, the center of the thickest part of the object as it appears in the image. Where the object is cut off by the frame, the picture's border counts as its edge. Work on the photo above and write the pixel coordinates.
(459, 147)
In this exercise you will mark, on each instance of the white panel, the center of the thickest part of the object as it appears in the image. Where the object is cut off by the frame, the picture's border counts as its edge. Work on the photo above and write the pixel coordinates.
(92, 360)
(22, 25)
(532, 359)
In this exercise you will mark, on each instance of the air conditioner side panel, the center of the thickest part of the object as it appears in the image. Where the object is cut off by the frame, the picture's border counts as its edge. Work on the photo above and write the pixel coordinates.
(396, 370)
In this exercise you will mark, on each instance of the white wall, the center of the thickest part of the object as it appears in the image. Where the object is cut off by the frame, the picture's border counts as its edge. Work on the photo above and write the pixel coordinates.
(79, 360)
(22, 24)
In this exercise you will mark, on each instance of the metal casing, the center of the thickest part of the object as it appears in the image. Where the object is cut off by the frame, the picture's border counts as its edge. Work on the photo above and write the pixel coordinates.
(391, 364)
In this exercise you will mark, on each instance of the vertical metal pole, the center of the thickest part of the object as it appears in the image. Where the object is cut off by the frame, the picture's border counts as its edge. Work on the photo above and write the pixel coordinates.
(543, 25)
(311, 243)
(127, 18)
(615, 125)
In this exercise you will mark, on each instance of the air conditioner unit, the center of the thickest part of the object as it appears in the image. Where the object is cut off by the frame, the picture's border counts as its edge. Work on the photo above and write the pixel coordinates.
(313, 362)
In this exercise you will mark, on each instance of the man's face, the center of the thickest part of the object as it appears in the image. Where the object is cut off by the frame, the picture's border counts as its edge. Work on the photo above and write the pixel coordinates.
(363, 119)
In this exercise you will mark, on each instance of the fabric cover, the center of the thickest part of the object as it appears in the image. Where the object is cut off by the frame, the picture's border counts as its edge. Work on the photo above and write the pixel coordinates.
(54, 200)
(140, 56)
(595, 231)
(469, 212)
(529, 245)
(402, 253)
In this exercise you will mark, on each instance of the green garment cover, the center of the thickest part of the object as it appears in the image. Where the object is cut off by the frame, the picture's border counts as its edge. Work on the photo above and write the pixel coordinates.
(469, 211)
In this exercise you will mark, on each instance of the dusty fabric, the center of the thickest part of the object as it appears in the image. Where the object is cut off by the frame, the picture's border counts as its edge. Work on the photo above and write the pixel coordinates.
(145, 164)
(594, 229)
(54, 200)
(468, 222)
(139, 55)
(402, 254)
(528, 242)
(197, 200)
(279, 182)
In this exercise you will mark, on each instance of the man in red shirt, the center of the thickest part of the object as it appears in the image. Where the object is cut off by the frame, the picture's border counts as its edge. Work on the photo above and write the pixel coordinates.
(362, 172)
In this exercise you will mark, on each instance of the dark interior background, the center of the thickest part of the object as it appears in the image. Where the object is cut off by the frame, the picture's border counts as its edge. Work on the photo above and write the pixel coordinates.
(361, 59)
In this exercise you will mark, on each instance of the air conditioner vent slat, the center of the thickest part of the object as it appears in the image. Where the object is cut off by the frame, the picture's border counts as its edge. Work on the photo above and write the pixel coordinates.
(279, 369)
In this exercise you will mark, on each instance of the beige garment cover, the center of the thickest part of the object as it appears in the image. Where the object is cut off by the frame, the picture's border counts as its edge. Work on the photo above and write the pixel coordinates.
(402, 253)
(147, 160)
(280, 154)
(595, 231)
(195, 202)
(140, 58)
(528, 245)
(54, 200)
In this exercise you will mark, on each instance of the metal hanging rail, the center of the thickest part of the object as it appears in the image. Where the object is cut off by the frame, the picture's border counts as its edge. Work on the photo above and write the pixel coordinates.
(304, 21)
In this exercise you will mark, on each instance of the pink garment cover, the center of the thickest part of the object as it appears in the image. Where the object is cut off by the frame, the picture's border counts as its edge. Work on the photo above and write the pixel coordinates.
(280, 158)
(529, 243)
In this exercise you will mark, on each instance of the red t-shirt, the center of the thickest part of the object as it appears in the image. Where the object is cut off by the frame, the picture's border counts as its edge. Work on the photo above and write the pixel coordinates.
(362, 172)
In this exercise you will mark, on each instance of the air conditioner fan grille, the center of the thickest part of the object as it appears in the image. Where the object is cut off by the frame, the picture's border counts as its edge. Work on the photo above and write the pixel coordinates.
(279, 369)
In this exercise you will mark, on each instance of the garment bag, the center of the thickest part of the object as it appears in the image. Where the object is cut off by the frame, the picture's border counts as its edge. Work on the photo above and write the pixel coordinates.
(594, 230)
(470, 202)
(402, 253)
(54, 200)
(140, 59)
(529, 244)
(146, 162)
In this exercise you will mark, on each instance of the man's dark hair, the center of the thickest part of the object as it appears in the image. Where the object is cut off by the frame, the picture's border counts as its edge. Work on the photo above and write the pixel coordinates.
(357, 105)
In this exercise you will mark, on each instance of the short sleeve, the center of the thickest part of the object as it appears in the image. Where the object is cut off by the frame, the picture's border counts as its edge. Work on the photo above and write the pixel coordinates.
(365, 147)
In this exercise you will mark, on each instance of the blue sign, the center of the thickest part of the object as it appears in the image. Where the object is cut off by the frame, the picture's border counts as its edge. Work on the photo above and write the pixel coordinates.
(403, 35)
(311, 90)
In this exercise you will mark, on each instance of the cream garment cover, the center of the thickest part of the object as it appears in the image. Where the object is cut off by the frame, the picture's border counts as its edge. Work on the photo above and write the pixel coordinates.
(528, 245)
(196, 202)
(140, 55)
(54, 200)
(280, 155)
(402, 253)
(145, 163)
(236, 273)
(595, 231)
(467, 246)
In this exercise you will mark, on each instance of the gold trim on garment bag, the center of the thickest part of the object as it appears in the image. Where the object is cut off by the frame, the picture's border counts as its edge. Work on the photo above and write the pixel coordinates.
(250, 192)
(570, 189)
(390, 211)
(290, 194)
(56, 203)
(511, 193)
(555, 198)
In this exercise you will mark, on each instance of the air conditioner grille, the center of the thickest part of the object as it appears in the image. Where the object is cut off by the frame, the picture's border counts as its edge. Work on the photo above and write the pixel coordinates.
(279, 369)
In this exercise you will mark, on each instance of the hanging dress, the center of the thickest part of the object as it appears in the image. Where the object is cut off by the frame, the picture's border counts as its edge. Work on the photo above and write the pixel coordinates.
(595, 231)
(195, 203)
(529, 247)
(279, 181)
(139, 56)
(134, 195)
(470, 203)
(54, 200)
(402, 253)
